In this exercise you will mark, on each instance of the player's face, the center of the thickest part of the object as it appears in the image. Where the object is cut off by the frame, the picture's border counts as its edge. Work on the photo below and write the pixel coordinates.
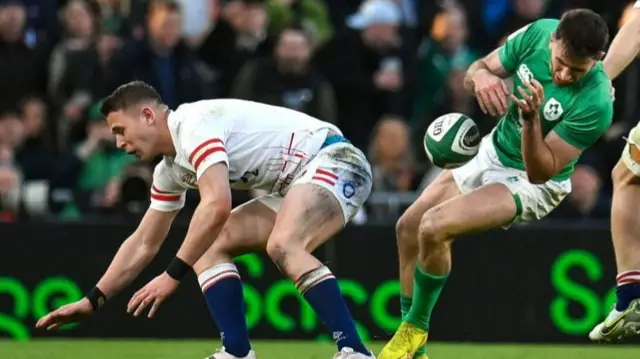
(565, 68)
(135, 133)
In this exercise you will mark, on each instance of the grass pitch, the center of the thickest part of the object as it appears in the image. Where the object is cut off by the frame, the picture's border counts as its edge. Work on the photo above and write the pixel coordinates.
(187, 349)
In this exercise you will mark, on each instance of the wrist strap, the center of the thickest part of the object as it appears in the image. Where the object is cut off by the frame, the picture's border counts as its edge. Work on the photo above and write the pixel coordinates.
(96, 298)
(178, 268)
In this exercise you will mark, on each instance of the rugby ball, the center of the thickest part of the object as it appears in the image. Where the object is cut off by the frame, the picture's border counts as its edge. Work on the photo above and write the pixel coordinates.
(451, 140)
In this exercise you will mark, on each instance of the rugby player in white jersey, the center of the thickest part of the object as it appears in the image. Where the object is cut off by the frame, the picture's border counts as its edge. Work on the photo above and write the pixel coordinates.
(624, 320)
(317, 182)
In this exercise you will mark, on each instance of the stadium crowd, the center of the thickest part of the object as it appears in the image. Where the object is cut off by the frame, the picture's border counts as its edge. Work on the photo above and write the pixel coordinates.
(380, 69)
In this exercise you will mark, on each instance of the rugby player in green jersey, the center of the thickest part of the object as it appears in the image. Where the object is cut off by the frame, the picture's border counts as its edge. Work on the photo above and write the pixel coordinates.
(560, 106)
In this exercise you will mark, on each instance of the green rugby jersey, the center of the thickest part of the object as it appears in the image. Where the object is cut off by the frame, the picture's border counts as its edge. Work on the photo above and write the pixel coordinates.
(579, 113)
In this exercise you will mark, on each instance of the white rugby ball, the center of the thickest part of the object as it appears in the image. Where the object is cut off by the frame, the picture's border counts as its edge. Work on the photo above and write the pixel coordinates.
(452, 140)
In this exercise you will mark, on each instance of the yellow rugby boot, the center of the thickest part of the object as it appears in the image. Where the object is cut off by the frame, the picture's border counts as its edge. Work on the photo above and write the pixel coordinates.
(405, 342)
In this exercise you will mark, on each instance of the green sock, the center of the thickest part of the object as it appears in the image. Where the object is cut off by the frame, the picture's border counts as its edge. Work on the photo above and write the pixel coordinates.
(405, 305)
(426, 290)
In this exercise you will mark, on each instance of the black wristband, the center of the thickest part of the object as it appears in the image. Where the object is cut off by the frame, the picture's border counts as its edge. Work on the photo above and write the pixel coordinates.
(178, 268)
(96, 298)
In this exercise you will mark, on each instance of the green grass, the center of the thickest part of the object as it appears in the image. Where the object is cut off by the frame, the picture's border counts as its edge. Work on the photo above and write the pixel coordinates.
(186, 349)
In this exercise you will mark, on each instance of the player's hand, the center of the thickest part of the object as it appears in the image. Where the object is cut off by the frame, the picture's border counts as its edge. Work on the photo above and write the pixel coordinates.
(154, 293)
(531, 101)
(70, 313)
(491, 92)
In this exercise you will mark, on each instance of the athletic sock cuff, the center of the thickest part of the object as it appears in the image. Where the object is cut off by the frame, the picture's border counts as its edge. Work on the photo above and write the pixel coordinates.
(312, 278)
(628, 277)
(211, 276)
(405, 301)
(422, 276)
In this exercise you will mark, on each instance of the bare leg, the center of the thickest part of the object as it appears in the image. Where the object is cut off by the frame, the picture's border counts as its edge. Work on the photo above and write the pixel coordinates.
(309, 216)
(246, 230)
(442, 189)
(624, 319)
(625, 226)
(485, 208)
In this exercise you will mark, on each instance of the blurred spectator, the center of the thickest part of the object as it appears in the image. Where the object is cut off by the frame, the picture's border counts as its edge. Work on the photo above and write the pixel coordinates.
(393, 168)
(22, 66)
(586, 199)
(25, 161)
(33, 153)
(288, 79)
(93, 169)
(522, 13)
(72, 67)
(443, 60)
(42, 22)
(239, 36)
(368, 69)
(163, 60)
(391, 156)
(116, 19)
(311, 14)
(197, 16)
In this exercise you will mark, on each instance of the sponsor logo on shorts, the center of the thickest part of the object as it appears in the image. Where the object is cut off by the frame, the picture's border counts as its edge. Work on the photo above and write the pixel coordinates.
(189, 178)
(348, 190)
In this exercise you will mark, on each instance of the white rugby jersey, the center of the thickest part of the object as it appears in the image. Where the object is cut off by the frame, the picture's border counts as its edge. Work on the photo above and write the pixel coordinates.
(261, 145)
(637, 4)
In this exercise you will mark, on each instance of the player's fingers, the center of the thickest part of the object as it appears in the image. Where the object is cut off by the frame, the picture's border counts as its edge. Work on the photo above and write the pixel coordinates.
(504, 87)
(48, 319)
(538, 93)
(488, 102)
(154, 307)
(480, 99)
(43, 321)
(54, 326)
(502, 101)
(496, 106)
(135, 300)
(526, 97)
(143, 304)
(522, 104)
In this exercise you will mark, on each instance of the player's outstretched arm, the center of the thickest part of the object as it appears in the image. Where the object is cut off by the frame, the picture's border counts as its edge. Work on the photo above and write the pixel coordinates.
(134, 254)
(137, 251)
(207, 221)
(625, 46)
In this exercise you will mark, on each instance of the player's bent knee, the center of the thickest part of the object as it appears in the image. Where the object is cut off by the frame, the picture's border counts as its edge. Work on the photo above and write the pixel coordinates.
(433, 228)
(224, 248)
(281, 249)
(406, 233)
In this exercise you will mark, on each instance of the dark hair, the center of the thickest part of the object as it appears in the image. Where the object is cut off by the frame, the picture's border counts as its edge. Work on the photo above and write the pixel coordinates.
(297, 28)
(583, 32)
(164, 5)
(128, 95)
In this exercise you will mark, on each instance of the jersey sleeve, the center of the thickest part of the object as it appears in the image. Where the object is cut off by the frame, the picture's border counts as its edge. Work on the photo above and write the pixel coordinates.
(166, 195)
(203, 141)
(513, 49)
(587, 125)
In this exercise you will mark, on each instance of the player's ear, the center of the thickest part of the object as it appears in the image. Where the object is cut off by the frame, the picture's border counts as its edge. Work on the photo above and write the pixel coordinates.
(148, 116)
